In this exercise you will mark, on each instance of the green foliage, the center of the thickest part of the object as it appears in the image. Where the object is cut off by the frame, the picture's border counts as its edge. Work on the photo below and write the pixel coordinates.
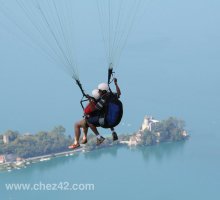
(38, 144)
(56, 141)
(172, 128)
(166, 130)
(11, 134)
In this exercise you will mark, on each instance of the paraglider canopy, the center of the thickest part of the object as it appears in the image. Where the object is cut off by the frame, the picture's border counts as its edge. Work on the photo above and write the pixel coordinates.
(117, 18)
(50, 25)
(47, 25)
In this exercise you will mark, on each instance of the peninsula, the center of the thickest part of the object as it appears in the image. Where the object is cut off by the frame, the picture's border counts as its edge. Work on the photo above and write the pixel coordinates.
(19, 150)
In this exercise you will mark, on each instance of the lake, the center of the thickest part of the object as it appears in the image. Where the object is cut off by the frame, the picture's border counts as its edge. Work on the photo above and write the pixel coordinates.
(181, 170)
(170, 67)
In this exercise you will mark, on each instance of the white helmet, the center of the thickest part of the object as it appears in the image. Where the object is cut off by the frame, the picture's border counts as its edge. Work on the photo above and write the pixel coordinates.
(95, 94)
(103, 87)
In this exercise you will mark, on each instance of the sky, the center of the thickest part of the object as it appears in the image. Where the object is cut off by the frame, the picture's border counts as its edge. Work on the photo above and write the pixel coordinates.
(170, 67)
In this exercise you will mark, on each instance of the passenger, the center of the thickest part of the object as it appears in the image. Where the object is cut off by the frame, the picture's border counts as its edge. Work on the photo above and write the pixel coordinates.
(82, 124)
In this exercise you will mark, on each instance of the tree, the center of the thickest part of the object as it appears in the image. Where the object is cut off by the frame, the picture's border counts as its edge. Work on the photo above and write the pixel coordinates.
(59, 130)
(11, 134)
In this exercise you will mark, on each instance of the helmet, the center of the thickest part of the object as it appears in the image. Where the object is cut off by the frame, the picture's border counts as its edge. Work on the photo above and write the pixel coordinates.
(95, 93)
(103, 87)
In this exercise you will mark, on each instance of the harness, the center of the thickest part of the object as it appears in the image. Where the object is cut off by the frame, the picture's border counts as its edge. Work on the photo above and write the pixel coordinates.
(113, 110)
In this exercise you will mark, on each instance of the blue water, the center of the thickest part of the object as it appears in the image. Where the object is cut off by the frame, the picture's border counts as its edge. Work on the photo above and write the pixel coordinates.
(170, 67)
(182, 170)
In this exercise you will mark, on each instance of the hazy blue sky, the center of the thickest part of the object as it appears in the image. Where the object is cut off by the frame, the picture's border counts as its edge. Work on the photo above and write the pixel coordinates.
(170, 67)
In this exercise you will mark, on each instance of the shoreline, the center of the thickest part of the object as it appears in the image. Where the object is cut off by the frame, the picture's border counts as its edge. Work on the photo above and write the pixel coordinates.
(152, 132)
(9, 166)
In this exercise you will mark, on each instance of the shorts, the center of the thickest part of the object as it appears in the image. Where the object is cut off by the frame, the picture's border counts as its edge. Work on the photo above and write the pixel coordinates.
(94, 120)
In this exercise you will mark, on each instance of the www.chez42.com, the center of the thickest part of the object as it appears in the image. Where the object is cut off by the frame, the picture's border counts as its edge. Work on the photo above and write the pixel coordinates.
(61, 186)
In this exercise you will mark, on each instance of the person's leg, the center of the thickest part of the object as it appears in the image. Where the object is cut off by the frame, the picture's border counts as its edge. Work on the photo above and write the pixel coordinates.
(78, 125)
(114, 134)
(100, 139)
(77, 130)
(93, 123)
(85, 131)
(85, 128)
(83, 124)
(94, 129)
(77, 136)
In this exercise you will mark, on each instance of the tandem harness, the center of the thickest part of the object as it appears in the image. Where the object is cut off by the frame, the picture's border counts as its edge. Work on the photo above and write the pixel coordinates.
(113, 110)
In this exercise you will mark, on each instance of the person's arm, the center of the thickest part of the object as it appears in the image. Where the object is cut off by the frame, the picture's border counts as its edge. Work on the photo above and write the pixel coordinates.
(117, 87)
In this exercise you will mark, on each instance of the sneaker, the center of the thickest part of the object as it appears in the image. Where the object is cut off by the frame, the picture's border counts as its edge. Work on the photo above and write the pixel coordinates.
(74, 146)
(84, 141)
(114, 136)
(100, 140)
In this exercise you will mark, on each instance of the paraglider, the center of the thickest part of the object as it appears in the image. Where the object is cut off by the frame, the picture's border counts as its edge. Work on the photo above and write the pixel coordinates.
(104, 110)
(49, 25)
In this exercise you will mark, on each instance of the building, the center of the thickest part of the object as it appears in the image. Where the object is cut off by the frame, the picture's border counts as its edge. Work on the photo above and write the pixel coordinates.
(5, 139)
(184, 133)
(147, 123)
(139, 136)
(2, 159)
(10, 158)
(19, 161)
(146, 126)
(27, 134)
(133, 141)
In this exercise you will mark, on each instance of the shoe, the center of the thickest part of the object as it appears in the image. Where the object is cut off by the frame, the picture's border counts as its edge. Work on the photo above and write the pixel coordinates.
(74, 146)
(84, 141)
(100, 140)
(114, 136)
